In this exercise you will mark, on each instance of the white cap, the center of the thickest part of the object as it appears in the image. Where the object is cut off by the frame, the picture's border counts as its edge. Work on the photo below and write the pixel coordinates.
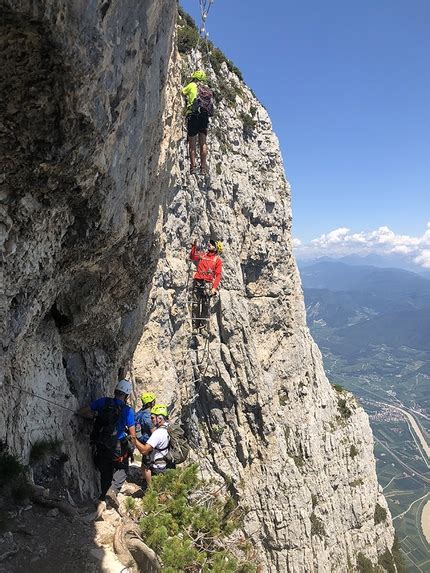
(124, 386)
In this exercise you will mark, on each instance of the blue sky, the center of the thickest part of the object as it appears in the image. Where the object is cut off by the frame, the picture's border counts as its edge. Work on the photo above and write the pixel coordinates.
(347, 85)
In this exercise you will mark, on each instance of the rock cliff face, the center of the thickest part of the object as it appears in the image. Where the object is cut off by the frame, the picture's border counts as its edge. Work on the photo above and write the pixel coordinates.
(254, 396)
(98, 213)
(84, 170)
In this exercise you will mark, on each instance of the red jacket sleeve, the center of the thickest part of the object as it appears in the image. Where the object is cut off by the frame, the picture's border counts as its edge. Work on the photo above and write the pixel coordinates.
(194, 254)
(218, 273)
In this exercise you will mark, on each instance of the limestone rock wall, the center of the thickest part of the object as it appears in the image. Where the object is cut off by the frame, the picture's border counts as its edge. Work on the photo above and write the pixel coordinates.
(258, 407)
(84, 166)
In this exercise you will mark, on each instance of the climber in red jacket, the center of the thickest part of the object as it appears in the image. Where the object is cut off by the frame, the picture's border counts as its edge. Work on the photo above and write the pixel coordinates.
(206, 280)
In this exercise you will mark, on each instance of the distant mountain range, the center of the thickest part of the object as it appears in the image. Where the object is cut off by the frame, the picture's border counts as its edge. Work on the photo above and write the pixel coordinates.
(362, 306)
(386, 261)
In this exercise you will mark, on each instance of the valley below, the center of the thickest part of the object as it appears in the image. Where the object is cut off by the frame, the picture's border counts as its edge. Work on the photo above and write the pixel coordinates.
(391, 379)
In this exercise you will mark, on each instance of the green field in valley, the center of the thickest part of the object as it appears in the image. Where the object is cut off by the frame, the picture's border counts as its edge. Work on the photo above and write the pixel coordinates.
(402, 467)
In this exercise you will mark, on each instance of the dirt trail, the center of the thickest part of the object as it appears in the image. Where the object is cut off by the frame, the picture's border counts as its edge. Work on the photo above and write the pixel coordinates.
(49, 541)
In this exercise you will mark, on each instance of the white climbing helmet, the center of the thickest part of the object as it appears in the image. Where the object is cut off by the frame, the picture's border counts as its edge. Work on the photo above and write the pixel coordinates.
(124, 386)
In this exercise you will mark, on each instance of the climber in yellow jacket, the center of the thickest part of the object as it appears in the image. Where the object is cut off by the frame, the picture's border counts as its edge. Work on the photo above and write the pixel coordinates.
(199, 100)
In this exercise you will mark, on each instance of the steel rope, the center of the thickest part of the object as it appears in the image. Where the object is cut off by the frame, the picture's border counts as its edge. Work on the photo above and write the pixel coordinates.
(40, 397)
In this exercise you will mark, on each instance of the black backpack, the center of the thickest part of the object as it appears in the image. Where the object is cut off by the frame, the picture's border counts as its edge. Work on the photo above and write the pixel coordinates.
(204, 102)
(104, 435)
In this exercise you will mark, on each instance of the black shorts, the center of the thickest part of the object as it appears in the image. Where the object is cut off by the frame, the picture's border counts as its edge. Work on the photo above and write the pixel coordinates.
(197, 123)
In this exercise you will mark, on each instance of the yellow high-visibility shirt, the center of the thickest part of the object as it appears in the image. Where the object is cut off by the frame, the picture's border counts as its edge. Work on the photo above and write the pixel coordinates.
(190, 92)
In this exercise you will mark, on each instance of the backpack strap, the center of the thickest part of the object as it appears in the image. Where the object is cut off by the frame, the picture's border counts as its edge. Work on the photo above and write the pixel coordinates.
(163, 458)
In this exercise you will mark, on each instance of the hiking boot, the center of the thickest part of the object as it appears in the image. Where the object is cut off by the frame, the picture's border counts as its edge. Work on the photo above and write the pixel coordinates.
(193, 170)
(204, 170)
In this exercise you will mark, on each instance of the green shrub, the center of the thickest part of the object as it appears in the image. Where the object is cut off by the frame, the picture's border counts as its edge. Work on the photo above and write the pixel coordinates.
(179, 555)
(130, 504)
(229, 93)
(364, 565)
(184, 17)
(188, 532)
(188, 34)
(234, 69)
(10, 468)
(224, 144)
(43, 448)
(246, 568)
(13, 481)
(217, 432)
(187, 39)
(386, 561)
(353, 451)
(217, 58)
(344, 411)
(249, 125)
(317, 526)
(299, 461)
(283, 397)
(356, 482)
(398, 556)
(338, 387)
(380, 514)
(20, 490)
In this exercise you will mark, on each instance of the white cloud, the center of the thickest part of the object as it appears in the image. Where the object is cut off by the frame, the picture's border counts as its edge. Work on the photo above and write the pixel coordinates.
(296, 242)
(423, 259)
(334, 237)
(401, 250)
(382, 241)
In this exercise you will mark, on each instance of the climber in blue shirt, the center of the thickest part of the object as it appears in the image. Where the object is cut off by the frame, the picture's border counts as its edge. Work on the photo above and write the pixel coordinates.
(144, 426)
(126, 417)
(113, 422)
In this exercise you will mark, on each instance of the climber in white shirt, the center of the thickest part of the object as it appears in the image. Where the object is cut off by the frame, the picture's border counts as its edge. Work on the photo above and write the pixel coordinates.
(157, 446)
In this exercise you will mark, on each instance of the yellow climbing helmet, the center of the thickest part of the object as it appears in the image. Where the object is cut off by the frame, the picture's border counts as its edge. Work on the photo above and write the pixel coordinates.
(199, 75)
(159, 410)
(219, 247)
(147, 398)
